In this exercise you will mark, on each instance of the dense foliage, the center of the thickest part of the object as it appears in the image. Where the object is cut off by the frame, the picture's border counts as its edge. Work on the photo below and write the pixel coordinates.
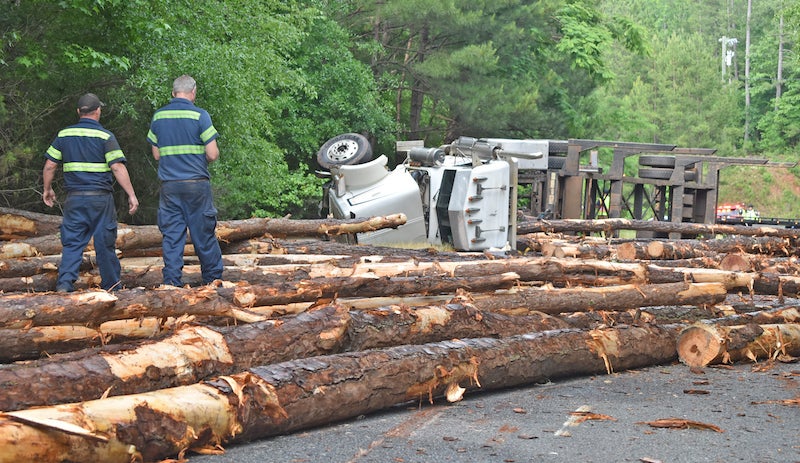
(281, 77)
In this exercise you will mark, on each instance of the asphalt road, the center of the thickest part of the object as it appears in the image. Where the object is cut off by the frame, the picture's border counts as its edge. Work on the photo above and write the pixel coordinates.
(751, 406)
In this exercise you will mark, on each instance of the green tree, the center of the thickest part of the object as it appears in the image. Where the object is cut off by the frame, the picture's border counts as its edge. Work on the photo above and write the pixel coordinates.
(508, 68)
(258, 76)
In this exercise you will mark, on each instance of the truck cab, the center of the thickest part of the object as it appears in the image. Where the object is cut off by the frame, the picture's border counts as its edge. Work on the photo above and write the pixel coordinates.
(462, 194)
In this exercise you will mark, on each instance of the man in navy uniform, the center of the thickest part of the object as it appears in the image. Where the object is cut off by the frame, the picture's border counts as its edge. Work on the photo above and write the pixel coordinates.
(89, 154)
(184, 142)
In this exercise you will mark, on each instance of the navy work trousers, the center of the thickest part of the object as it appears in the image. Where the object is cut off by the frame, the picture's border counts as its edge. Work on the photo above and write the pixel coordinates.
(182, 205)
(86, 216)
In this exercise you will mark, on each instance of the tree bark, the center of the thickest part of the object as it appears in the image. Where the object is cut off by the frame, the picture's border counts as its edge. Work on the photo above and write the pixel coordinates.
(688, 249)
(299, 394)
(623, 297)
(148, 236)
(194, 353)
(362, 286)
(43, 341)
(96, 307)
(43, 224)
(705, 344)
(609, 225)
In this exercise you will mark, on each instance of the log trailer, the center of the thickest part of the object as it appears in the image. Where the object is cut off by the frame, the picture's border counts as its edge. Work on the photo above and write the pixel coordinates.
(466, 193)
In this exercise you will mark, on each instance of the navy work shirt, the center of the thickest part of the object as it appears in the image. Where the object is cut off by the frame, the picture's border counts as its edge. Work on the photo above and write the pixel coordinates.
(86, 151)
(180, 131)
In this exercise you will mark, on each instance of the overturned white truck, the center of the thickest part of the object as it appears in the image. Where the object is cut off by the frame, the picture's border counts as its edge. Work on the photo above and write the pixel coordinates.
(464, 193)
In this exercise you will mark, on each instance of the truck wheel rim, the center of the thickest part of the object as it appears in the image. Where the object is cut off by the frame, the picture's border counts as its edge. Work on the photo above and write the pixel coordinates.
(342, 150)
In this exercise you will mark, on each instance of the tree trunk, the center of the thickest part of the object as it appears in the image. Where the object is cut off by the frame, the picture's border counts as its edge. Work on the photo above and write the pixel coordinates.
(43, 224)
(197, 352)
(704, 344)
(294, 395)
(609, 225)
(148, 236)
(606, 298)
(362, 286)
(687, 249)
(43, 341)
(96, 307)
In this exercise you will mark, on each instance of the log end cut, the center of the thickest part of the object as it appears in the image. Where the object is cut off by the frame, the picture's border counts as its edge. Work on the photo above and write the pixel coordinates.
(699, 345)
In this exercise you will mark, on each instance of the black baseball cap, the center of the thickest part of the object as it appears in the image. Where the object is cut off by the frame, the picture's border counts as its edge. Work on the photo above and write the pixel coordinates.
(89, 102)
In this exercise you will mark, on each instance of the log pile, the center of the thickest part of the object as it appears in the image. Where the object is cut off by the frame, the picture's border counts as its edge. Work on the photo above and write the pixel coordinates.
(306, 330)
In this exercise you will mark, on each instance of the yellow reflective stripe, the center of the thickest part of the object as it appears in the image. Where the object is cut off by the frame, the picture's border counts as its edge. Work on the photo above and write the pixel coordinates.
(176, 114)
(79, 132)
(210, 132)
(54, 153)
(86, 167)
(152, 137)
(181, 149)
(113, 155)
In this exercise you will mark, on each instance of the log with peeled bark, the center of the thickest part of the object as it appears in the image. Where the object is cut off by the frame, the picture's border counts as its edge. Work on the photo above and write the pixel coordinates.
(93, 308)
(611, 225)
(687, 249)
(294, 395)
(148, 236)
(16, 227)
(43, 341)
(362, 286)
(274, 246)
(555, 301)
(565, 272)
(704, 344)
(197, 352)
(753, 282)
(26, 223)
(584, 250)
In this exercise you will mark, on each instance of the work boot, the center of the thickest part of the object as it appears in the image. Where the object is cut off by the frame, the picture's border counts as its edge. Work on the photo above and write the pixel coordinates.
(64, 288)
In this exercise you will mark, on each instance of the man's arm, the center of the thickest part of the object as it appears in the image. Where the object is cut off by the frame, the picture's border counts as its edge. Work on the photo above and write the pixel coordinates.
(156, 153)
(212, 151)
(121, 174)
(48, 173)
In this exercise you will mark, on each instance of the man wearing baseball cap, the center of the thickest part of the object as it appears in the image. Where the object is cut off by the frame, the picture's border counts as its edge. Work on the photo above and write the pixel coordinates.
(91, 159)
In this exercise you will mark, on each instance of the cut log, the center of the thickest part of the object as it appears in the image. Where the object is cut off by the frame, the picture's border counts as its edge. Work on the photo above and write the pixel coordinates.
(194, 353)
(43, 341)
(43, 224)
(96, 307)
(148, 236)
(294, 395)
(687, 249)
(562, 248)
(555, 301)
(703, 344)
(362, 286)
(15, 226)
(29, 266)
(610, 225)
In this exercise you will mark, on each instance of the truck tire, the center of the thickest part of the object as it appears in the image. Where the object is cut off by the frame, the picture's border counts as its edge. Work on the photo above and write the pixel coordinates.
(344, 150)
(555, 162)
(655, 160)
(655, 172)
(663, 173)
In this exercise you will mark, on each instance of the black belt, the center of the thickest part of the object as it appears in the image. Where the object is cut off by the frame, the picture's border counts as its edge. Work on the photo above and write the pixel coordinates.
(89, 193)
(194, 180)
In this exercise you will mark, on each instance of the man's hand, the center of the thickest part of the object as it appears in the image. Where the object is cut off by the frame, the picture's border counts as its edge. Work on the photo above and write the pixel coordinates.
(133, 204)
(49, 197)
